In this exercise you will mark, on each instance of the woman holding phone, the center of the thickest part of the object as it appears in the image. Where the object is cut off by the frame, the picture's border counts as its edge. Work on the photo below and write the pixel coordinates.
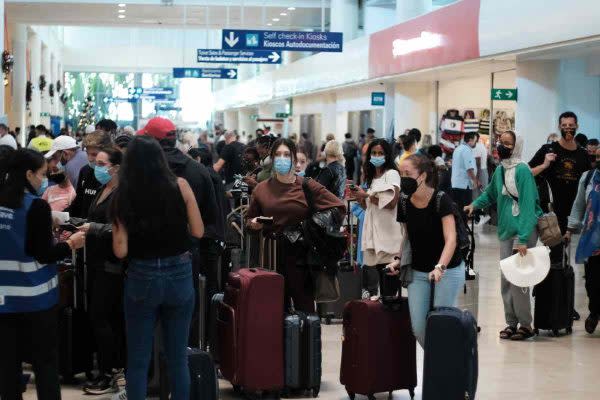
(282, 198)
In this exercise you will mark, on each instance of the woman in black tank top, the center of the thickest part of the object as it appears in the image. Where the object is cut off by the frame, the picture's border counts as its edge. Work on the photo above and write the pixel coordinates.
(154, 215)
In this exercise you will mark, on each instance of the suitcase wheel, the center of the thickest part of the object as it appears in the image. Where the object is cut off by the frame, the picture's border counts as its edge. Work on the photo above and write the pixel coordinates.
(569, 331)
(352, 395)
(412, 393)
(390, 394)
(536, 331)
(315, 392)
(371, 397)
(555, 332)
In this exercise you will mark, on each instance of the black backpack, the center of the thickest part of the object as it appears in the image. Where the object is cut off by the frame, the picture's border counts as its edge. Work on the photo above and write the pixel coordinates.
(463, 236)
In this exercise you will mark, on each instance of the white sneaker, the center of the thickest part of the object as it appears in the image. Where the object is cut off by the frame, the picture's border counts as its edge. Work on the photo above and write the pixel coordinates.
(484, 220)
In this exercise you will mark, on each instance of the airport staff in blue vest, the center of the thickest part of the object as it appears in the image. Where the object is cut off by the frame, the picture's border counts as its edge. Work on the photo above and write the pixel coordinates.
(28, 280)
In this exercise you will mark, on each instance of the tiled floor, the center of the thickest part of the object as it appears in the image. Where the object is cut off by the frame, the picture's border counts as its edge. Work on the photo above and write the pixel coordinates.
(545, 368)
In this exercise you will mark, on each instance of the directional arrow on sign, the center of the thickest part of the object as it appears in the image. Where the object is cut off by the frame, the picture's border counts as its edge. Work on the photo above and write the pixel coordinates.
(509, 94)
(232, 39)
(274, 57)
(231, 73)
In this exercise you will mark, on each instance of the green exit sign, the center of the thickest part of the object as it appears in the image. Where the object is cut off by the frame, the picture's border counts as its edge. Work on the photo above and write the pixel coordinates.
(44, 114)
(504, 94)
(281, 115)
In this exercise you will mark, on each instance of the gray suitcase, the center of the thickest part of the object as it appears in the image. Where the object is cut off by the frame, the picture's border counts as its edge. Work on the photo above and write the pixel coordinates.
(303, 354)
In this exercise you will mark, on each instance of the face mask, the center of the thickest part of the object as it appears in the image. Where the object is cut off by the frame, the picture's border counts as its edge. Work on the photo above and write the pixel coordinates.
(567, 132)
(60, 165)
(42, 187)
(102, 175)
(57, 178)
(283, 165)
(92, 164)
(408, 185)
(301, 173)
(504, 152)
(378, 161)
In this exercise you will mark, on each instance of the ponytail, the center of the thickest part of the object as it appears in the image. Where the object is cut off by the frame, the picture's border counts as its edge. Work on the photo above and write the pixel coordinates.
(13, 175)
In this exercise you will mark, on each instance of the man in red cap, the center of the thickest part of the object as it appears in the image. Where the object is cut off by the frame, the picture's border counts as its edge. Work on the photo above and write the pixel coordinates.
(207, 250)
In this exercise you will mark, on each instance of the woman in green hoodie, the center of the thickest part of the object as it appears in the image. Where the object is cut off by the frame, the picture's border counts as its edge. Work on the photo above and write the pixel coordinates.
(514, 192)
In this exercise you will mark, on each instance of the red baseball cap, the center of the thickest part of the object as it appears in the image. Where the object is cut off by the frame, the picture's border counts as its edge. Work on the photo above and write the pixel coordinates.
(159, 128)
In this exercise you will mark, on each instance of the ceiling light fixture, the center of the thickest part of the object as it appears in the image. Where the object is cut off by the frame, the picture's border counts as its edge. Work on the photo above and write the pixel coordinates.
(283, 14)
(275, 19)
(269, 24)
(291, 8)
(121, 11)
(122, 5)
(121, 16)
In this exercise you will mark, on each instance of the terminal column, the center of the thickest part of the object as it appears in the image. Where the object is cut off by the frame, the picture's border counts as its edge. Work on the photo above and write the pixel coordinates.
(45, 96)
(18, 110)
(35, 53)
(344, 18)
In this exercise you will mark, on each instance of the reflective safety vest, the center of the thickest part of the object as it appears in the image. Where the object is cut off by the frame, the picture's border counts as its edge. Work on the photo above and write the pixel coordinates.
(25, 284)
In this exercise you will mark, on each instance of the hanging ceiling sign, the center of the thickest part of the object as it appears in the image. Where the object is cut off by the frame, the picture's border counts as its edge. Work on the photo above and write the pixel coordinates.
(282, 40)
(430, 40)
(205, 73)
(239, 56)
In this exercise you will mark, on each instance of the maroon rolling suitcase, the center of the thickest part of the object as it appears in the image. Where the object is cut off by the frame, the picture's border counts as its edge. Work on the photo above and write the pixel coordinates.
(379, 352)
(250, 328)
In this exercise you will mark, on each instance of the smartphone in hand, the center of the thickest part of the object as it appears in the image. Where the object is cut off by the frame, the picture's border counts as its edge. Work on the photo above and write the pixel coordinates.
(265, 220)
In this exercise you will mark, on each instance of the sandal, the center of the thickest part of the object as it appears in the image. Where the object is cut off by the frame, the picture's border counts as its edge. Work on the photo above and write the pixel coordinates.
(522, 334)
(508, 332)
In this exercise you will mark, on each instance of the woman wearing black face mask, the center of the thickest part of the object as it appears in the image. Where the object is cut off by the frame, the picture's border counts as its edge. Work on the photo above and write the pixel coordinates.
(514, 191)
(428, 218)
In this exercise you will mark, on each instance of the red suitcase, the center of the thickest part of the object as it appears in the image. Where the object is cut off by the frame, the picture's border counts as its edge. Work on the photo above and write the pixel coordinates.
(379, 352)
(250, 327)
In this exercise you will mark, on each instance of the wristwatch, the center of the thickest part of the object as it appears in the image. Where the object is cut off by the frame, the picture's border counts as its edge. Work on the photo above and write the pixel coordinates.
(441, 267)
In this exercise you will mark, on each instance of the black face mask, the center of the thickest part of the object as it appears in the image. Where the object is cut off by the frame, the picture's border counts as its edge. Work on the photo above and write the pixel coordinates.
(504, 152)
(408, 185)
(565, 132)
(57, 178)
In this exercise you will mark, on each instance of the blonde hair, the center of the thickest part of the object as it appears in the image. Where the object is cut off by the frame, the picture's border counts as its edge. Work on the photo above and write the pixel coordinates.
(334, 149)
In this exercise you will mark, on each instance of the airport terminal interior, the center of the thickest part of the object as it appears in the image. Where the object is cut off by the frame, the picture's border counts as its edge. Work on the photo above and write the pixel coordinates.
(338, 199)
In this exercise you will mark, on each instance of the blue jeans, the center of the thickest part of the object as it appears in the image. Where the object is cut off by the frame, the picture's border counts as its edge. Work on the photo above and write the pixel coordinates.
(158, 290)
(419, 293)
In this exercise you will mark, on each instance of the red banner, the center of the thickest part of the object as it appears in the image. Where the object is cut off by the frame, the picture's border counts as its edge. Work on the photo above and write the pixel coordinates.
(446, 36)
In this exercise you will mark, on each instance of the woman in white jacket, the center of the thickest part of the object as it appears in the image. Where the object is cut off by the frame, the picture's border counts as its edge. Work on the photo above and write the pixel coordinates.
(382, 235)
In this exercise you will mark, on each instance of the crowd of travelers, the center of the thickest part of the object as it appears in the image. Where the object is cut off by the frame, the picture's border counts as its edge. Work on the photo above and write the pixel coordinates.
(153, 218)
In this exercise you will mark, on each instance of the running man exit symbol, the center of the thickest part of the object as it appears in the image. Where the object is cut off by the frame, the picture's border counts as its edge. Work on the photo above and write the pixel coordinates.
(504, 94)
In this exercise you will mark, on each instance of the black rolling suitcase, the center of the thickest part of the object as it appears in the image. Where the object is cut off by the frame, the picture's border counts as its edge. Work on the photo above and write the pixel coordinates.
(302, 352)
(555, 297)
(203, 373)
(450, 366)
(213, 334)
(75, 351)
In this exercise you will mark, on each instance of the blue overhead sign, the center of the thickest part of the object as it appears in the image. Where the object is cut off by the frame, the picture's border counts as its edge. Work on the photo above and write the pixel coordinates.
(282, 40)
(238, 56)
(205, 73)
(377, 98)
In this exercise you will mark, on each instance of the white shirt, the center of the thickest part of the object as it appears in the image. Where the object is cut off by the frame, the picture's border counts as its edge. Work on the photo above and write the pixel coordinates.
(481, 152)
(8, 140)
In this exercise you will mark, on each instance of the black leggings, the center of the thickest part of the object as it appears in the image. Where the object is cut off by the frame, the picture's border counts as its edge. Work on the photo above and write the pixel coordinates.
(374, 277)
(39, 331)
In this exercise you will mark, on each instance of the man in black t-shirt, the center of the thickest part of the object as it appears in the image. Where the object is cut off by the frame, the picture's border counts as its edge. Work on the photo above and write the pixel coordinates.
(561, 164)
(230, 158)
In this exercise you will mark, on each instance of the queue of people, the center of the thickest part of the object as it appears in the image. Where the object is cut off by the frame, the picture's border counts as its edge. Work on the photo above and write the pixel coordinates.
(145, 256)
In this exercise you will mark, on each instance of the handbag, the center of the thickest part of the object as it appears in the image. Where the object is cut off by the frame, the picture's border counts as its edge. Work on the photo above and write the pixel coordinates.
(327, 286)
(548, 228)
